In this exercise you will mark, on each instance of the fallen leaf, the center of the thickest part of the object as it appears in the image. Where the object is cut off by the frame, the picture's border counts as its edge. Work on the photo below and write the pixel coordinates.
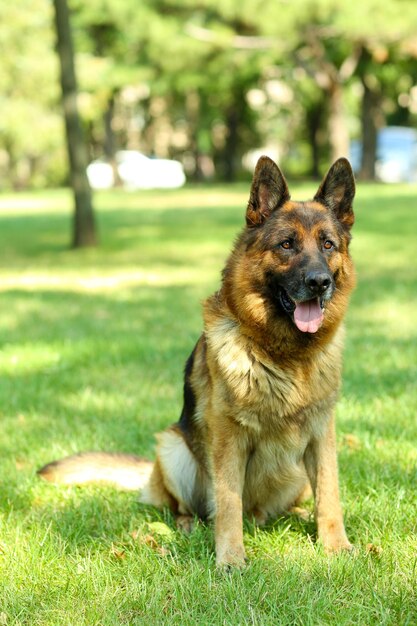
(371, 548)
(150, 541)
(118, 553)
(352, 441)
(161, 529)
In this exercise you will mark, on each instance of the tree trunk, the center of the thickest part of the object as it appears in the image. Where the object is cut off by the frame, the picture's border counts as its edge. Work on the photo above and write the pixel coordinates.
(338, 132)
(110, 144)
(371, 102)
(192, 105)
(84, 232)
(314, 116)
(232, 143)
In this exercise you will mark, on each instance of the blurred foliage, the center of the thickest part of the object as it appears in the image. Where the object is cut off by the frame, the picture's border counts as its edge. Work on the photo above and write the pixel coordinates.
(205, 82)
(31, 141)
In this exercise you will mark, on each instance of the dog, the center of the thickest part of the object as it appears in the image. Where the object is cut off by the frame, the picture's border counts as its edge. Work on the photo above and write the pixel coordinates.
(257, 425)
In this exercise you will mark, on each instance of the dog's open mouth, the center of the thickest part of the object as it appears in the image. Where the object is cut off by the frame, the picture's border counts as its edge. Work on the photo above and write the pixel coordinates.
(308, 315)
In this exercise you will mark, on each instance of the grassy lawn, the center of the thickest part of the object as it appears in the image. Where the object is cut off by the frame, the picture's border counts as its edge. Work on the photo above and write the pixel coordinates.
(92, 351)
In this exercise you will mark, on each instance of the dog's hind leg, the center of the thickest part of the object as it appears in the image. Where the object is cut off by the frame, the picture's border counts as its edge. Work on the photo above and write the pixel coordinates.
(185, 523)
(297, 509)
(155, 491)
(174, 481)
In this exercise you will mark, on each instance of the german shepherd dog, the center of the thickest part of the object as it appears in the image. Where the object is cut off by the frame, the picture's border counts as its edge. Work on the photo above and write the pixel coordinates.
(257, 426)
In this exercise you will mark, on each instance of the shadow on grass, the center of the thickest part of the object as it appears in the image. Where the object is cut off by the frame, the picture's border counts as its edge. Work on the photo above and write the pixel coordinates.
(107, 370)
(135, 344)
(35, 236)
(94, 368)
(59, 344)
(127, 236)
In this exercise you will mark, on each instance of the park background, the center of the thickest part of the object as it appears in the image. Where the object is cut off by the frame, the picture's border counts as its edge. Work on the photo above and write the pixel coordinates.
(93, 339)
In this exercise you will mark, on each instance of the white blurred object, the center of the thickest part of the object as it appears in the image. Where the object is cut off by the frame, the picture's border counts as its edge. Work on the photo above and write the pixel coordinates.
(100, 175)
(396, 154)
(250, 159)
(137, 171)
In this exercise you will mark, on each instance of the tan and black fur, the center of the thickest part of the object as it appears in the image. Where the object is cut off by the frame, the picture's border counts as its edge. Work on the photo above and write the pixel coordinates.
(257, 425)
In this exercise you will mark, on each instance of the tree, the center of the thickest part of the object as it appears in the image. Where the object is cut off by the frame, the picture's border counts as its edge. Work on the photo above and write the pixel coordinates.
(351, 40)
(207, 83)
(84, 231)
(31, 150)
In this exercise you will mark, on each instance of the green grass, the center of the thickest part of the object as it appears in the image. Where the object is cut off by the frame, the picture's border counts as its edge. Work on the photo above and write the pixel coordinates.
(92, 350)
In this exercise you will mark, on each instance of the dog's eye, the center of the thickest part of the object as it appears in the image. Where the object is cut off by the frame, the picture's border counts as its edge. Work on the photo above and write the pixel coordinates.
(328, 245)
(287, 244)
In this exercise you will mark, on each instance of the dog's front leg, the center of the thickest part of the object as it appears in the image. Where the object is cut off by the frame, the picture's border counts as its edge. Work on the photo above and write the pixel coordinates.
(228, 472)
(321, 464)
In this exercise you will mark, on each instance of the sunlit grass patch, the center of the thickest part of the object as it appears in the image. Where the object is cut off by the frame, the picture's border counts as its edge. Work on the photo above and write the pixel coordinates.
(92, 350)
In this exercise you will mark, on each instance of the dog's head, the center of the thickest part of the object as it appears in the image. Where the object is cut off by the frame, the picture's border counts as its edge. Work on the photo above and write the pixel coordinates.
(294, 255)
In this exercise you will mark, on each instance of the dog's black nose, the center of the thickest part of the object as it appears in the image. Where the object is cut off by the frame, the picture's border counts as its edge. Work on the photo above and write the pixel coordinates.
(318, 282)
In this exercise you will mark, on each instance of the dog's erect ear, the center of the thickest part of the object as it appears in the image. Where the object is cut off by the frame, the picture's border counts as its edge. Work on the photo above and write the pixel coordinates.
(338, 190)
(269, 191)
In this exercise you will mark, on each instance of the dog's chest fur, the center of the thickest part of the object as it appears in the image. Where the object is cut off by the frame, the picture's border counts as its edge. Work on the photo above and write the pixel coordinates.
(268, 397)
(279, 408)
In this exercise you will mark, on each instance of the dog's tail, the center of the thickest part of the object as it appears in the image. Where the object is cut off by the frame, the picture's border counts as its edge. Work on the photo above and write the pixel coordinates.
(125, 471)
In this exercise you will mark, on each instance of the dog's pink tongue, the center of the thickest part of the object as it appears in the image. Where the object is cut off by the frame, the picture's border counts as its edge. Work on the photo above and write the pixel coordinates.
(308, 316)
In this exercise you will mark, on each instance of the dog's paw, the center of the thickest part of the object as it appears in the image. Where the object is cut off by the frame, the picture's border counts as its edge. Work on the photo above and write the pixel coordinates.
(337, 544)
(301, 513)
(332, 536)
(259, 517)
(229, 558)
(185, 523)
